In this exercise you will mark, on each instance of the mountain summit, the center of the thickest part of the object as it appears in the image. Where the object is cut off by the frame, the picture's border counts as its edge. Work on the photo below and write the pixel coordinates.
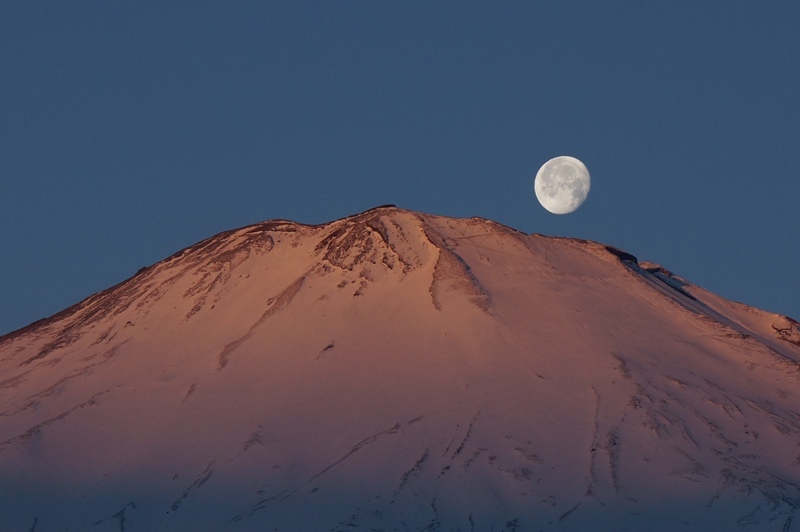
(401, 371)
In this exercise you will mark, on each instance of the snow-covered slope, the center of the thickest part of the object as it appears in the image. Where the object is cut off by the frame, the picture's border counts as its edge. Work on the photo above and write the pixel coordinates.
(401, 371)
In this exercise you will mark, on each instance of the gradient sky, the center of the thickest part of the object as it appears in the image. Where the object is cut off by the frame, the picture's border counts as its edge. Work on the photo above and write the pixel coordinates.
(129, 130)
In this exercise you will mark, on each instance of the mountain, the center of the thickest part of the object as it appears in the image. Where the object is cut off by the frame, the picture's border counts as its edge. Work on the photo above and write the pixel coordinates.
(401, 371)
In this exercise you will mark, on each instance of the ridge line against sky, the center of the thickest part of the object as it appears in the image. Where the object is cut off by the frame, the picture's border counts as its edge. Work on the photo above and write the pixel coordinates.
(129, 131)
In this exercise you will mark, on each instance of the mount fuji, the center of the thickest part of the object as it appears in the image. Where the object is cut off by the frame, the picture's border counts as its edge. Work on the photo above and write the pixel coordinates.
(395, 370)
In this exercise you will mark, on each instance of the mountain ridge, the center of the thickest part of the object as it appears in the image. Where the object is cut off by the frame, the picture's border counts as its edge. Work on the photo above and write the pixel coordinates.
(401, 370)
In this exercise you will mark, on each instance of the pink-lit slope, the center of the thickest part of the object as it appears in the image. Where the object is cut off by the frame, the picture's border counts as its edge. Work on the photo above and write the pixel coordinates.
(401, 371)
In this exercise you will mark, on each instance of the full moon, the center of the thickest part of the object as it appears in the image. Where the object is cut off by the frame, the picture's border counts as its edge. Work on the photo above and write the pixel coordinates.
(562, 184)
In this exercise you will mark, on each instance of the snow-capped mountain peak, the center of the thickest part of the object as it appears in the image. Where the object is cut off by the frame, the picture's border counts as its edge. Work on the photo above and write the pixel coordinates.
(398, 370)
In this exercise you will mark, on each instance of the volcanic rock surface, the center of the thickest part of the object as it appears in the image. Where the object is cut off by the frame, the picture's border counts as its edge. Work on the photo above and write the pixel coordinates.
(401, 371)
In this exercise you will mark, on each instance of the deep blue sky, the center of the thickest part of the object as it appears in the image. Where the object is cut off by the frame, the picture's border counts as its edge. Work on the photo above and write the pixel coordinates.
(129, 130)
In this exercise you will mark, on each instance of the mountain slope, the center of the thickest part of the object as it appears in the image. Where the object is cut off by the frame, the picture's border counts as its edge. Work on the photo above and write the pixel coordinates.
(401, 371)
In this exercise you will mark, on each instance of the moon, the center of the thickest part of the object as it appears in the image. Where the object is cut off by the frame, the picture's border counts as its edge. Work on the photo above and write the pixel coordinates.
(562, 184)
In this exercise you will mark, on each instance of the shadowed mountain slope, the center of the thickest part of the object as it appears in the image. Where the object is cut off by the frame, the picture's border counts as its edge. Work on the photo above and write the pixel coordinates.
(401, 371)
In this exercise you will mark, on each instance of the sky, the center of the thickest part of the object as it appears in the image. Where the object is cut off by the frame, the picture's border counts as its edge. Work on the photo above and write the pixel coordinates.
(130, 130)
